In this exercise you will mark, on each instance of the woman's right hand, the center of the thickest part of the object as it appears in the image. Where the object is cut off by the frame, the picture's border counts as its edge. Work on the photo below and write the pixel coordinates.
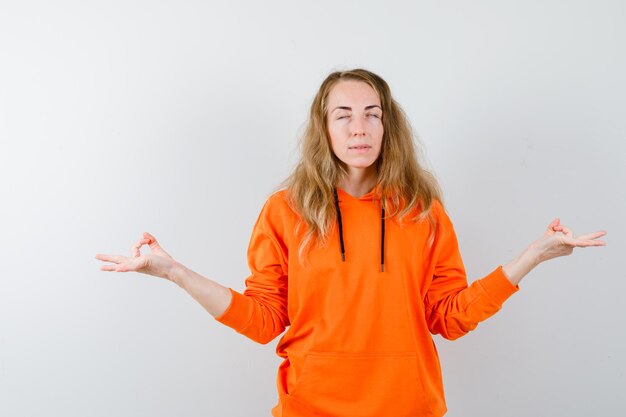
(157, 263)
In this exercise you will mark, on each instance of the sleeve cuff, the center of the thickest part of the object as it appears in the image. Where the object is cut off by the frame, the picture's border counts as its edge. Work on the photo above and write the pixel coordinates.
(497, 286)
(237, 315)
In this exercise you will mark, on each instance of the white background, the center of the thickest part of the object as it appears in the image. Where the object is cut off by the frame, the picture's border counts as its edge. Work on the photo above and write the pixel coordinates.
(180, 118)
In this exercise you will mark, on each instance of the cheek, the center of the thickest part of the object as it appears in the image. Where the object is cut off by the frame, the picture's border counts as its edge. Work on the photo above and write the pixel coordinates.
(335, 137)
(380, 134)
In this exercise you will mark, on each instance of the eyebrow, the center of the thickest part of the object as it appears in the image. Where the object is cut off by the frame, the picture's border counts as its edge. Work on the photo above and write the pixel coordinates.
(371, 106)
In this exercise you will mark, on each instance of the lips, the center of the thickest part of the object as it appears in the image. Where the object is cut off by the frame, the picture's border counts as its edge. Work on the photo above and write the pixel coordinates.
(359, 147)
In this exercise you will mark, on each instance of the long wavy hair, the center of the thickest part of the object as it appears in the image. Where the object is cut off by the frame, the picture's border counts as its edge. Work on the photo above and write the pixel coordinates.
(403, 186)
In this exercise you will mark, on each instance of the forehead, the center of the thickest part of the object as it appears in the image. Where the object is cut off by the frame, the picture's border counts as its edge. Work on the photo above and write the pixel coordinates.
(354, 92)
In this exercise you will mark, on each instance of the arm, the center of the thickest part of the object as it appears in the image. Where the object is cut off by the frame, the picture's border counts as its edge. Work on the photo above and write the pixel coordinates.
(211, 295)
(214, 297)
(260, 313)
(453, 308)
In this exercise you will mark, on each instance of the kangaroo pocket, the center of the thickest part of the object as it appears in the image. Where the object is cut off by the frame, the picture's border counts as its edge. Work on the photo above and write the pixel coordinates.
(361, 385)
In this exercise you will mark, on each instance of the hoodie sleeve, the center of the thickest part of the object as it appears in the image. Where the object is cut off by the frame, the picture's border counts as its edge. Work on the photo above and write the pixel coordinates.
(260, 313)
(452, 307)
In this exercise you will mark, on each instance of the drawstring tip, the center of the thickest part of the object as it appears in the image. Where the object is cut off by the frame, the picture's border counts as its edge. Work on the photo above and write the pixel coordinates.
(343, 257)
(382, 267)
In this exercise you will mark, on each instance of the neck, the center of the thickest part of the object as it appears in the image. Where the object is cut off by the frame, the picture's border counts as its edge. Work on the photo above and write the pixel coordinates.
(359, 182)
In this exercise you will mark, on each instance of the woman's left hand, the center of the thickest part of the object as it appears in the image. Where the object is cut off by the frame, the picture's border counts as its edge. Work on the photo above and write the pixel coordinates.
(559, 240)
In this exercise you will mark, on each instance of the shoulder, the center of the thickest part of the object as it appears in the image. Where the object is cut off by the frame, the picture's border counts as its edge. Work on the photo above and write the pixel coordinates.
(278, 206)
(439, 215)
(435, 211)
(276, 219)
(279, 200)
(437, 206)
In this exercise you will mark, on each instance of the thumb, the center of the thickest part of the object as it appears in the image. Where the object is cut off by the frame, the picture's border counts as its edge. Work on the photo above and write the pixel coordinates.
(554, 226)
(151, 239)
(154, 244)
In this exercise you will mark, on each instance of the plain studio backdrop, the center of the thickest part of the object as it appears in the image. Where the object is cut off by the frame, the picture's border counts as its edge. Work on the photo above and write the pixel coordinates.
(181, 117)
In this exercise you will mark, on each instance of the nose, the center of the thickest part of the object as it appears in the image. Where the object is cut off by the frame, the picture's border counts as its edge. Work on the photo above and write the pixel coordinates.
(357, 127)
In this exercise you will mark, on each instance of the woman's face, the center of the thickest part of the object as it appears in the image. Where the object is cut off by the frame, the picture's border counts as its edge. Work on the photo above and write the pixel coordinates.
(354, 123)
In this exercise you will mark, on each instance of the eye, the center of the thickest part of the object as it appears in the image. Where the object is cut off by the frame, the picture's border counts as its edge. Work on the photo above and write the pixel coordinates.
(343, 117)
(374, 115)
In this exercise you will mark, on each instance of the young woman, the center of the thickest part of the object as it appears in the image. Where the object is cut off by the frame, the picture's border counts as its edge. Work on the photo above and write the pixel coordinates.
(357, 257)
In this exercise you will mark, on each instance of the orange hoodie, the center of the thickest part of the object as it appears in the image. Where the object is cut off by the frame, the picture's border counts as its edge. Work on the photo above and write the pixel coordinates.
(358, 342)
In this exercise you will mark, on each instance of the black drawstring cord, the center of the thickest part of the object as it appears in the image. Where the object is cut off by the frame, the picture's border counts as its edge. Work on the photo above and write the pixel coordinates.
(343, 249)
(382, 228)
(382, 238)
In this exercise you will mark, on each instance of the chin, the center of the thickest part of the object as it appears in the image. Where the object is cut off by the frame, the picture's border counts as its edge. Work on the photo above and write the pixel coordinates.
(360, 164)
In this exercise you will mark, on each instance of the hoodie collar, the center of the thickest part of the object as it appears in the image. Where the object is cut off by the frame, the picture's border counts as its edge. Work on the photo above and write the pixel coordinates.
(341, 195)
(373, 194)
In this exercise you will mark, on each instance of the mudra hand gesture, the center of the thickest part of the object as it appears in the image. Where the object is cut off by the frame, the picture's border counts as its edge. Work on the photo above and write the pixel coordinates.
(559, 240)
(158, 263)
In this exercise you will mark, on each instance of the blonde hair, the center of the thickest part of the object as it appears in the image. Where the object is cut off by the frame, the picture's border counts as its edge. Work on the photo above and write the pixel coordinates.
(403, 185)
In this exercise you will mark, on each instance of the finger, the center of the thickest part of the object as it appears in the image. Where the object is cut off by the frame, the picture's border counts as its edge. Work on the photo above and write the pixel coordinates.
(587, 243)
(554, 223)
(136, 249)
(592, 236)
(151, 239)
(552, 228)
(154, 244)
(111, 258)
(582, 241)
(109, 268)
(103, 257)
(116, 268)
(567, 231)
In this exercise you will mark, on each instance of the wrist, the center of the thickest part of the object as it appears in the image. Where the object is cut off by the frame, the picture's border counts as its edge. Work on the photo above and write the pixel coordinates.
(517, 268)
(176, 273)
(533, 255)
